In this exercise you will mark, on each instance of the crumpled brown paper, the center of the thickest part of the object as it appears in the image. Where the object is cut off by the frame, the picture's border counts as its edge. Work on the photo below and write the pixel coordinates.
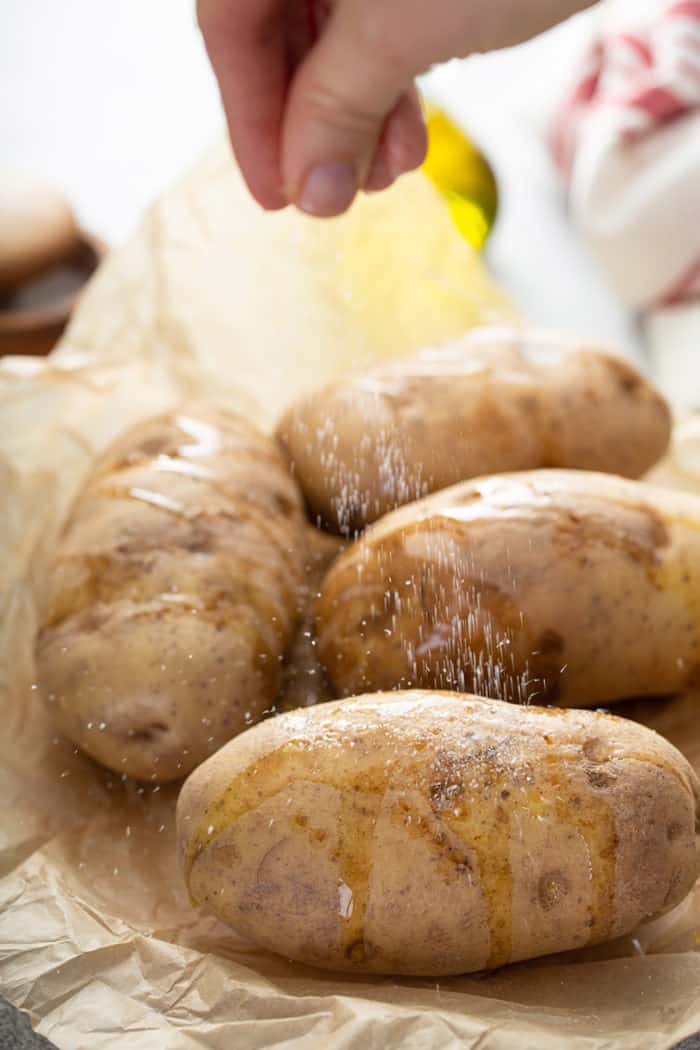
(97, 938)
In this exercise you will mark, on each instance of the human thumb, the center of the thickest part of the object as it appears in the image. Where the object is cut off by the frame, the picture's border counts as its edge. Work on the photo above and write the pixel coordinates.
(350, 90)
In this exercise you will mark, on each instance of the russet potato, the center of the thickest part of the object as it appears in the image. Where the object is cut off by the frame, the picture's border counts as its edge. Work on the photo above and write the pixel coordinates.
(435, 833)
(173, 593)
(498, 399)
(564, 587)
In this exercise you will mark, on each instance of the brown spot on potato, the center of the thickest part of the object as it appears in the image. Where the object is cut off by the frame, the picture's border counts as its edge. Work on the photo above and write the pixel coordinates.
(599, 779)
(674, 831)
(360, 951)
(550, 641)
(637, 530)
(283, 504)
(465, 495)
(552, 887)
(630, 384)
(147, 733)
(595, 750)
(154, 445)
(627, 379)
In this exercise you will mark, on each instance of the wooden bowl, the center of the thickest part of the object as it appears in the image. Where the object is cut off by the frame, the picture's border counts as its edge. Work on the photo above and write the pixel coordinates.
(33, 317)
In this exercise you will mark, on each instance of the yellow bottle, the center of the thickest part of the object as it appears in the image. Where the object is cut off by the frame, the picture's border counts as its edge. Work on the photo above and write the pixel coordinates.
(462, 175)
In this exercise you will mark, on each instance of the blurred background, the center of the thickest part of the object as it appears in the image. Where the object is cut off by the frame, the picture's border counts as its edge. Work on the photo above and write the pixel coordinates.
(112, 101)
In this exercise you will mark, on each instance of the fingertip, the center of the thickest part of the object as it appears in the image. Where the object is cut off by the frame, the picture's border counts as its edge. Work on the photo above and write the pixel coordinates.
(276, 205)
(407, 153)
(246, 44)
(406, 134)
(257, 154)
(327, 190)
(335, 111)
(269, 200)
(381, 174)
(262, 187)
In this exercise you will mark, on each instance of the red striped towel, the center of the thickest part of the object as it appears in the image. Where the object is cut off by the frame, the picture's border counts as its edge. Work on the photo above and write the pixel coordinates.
(628, 141)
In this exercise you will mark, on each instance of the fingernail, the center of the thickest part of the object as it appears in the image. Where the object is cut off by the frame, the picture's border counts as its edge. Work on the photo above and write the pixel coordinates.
(328, 190)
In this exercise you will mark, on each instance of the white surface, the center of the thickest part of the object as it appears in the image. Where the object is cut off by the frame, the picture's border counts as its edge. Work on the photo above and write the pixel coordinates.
(672, 338)
(506, 101)
(112, 100)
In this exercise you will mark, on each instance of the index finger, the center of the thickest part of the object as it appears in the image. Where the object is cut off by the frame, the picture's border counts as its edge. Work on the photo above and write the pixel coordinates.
(247, 46)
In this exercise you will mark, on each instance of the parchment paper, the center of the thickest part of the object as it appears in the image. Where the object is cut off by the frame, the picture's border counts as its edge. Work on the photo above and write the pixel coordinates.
(97, 938)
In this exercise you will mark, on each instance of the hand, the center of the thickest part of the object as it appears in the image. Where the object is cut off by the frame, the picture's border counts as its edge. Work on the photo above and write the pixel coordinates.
(319, 94)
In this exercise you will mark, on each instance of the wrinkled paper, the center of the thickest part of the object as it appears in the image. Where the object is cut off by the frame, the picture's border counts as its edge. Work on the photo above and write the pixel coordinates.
(98, 940)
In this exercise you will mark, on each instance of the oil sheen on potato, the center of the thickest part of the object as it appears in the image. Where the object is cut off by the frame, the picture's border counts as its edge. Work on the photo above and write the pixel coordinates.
(434, 833)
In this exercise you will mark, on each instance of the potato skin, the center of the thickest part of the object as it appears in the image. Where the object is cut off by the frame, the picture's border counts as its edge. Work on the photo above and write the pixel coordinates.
(172, 595)
(499, 399)
(431, 834)
(545, 586)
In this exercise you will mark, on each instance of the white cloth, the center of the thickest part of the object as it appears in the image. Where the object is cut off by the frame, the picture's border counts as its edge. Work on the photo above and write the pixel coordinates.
(628, 140)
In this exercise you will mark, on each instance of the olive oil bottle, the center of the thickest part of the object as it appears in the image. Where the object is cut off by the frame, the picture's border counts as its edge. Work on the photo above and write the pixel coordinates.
(462, 175)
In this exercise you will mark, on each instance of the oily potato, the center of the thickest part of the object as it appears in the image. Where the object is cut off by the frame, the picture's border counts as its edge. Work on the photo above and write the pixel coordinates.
(495, 400)
(173, 592)
(554, 586)
(436, 833)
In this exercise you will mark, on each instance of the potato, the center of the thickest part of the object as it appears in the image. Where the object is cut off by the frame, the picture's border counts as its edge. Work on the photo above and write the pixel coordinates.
(496, 400)
(434, 833)
(553, 586)
(172, 596)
